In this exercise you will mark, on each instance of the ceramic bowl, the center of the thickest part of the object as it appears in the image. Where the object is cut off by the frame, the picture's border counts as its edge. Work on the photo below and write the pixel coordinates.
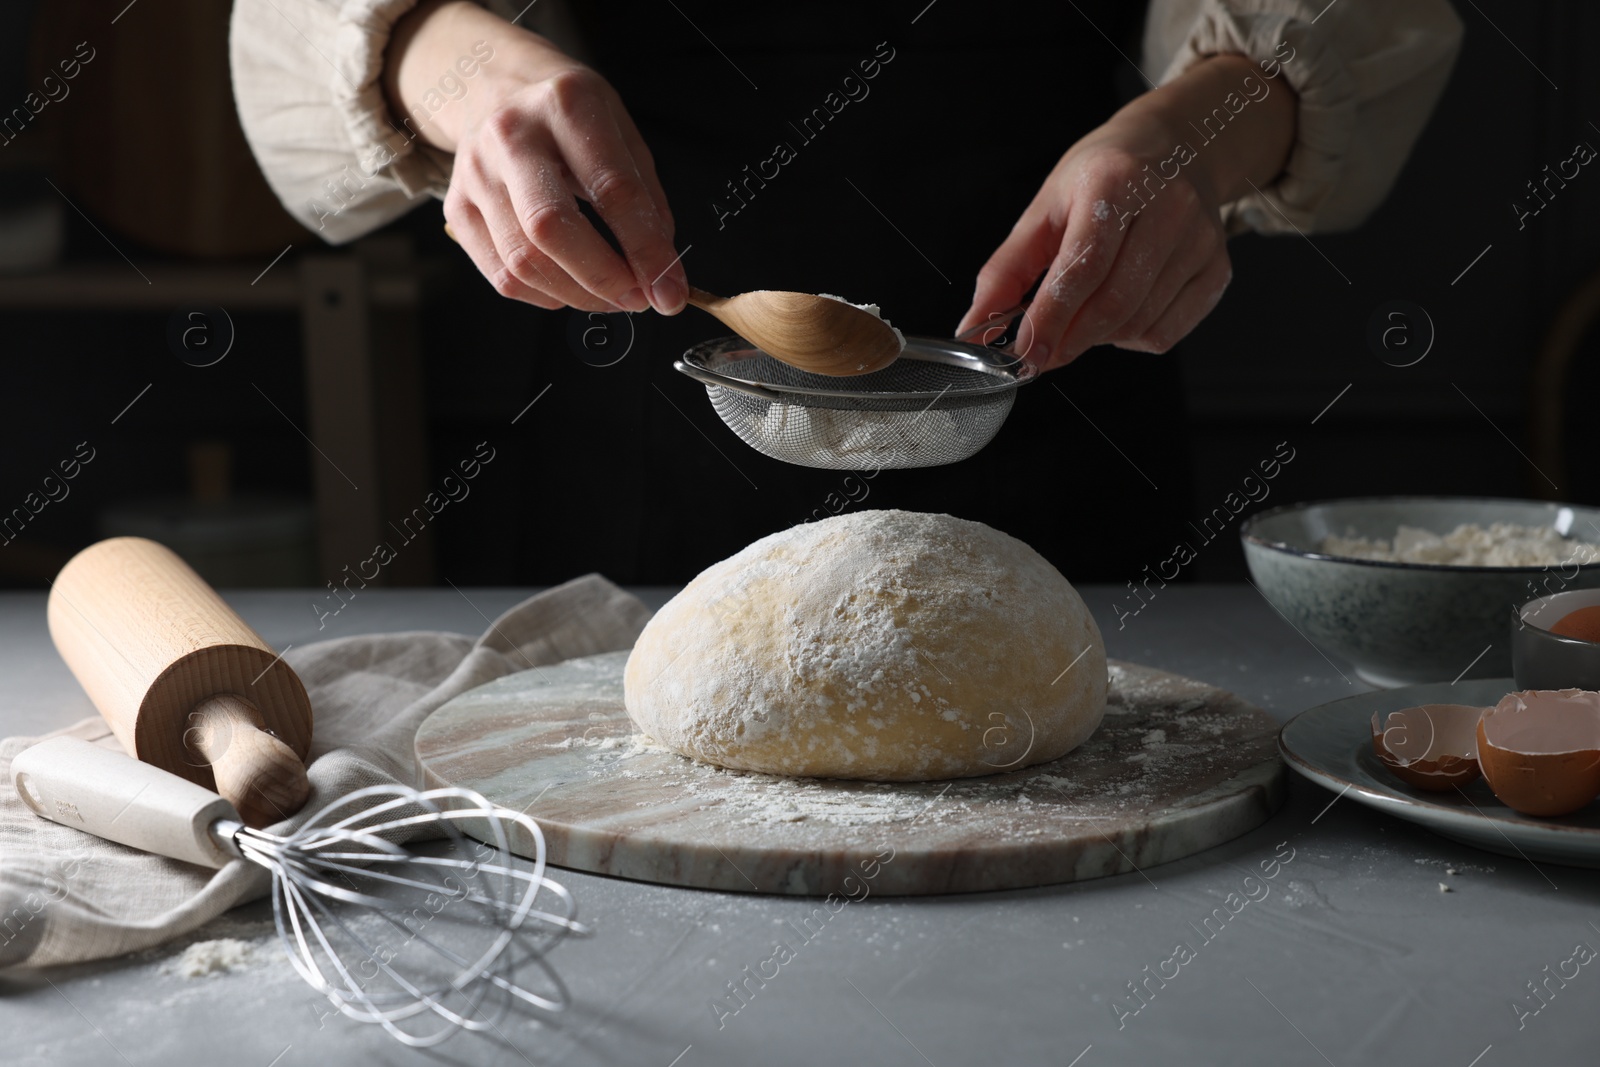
(1407, 623)
(1543, 660)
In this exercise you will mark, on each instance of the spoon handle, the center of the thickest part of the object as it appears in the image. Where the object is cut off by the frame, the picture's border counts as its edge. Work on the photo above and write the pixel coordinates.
(703, 300)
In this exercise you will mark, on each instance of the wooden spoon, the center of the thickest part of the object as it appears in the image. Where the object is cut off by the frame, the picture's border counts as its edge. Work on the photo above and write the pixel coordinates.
(812, 333)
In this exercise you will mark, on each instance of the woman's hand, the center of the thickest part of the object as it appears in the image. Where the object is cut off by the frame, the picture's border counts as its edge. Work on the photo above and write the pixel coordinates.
(534, 130)
(1126, 232)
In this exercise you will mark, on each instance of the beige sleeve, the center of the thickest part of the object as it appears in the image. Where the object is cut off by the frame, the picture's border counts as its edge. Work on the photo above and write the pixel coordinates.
(1367, 76)
(308, 83)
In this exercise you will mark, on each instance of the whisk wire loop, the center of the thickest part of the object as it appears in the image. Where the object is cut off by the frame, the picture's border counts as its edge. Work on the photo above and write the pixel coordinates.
(353, 853)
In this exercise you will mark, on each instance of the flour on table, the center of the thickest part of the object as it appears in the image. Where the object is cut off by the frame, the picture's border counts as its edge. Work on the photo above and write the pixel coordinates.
(212, 957)
(1454, 867)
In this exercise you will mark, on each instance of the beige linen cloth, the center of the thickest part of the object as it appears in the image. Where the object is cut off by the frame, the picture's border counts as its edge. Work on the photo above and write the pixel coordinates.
(67, 896)
(307, 80)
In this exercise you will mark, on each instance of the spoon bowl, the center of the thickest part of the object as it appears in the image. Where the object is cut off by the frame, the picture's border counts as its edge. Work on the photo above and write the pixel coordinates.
(819, 334)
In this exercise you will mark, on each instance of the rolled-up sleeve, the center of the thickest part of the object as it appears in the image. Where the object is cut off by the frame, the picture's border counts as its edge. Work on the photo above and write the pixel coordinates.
(1367, 76)
(308, 84)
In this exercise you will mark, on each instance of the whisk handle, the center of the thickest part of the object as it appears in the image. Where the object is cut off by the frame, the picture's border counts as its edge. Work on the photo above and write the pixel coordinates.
(114, 796)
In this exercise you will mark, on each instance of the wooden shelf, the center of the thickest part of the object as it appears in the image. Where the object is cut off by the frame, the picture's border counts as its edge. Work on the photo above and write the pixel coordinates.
(112, 287)
(370, 423)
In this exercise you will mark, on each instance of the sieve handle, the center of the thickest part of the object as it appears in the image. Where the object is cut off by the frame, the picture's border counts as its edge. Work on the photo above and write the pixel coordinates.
(114, 796)
(1005, 318)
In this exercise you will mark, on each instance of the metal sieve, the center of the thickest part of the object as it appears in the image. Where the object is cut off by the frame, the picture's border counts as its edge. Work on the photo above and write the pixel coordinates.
(938, 403)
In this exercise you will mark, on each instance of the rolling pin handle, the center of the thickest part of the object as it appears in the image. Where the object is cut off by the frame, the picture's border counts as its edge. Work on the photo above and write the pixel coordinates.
(255, 771)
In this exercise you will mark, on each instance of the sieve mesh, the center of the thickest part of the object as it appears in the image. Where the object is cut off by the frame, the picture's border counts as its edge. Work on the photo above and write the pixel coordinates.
(940, 402)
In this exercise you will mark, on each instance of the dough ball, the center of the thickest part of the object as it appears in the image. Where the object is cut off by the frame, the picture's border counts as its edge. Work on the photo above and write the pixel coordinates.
(881, 645)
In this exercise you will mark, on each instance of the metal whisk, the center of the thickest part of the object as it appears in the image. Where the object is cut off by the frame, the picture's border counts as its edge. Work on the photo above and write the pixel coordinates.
(386, 971)
(345, 853)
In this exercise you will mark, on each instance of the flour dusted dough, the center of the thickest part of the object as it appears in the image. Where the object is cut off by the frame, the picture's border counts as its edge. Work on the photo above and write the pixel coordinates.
(882, 645)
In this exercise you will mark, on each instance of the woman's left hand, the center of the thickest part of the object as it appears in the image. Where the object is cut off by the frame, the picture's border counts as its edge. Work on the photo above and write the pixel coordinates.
(1126, 232)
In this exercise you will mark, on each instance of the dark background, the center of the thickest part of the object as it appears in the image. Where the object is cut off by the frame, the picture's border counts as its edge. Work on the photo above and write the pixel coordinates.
(625, 468)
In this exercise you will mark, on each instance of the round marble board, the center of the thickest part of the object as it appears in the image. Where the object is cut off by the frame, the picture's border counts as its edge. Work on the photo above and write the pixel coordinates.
(1176, 767)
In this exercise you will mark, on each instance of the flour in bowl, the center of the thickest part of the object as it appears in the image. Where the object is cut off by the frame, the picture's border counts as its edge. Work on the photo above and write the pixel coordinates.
(1501, 544)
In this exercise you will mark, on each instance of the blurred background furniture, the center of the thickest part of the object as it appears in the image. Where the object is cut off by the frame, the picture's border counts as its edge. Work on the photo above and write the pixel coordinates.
(391, 367)
(364, 410)
(1566, 380)
(139, 156)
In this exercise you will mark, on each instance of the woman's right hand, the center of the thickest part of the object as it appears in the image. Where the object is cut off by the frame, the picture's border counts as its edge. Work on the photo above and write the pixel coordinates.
(531, 133)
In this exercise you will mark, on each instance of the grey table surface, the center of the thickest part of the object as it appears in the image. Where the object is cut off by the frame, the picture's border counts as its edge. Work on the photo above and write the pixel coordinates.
(1354, 956)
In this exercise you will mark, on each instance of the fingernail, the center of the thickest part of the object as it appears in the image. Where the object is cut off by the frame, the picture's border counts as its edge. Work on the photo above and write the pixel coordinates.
(1028, 343)
(634, 300)
(668, 295)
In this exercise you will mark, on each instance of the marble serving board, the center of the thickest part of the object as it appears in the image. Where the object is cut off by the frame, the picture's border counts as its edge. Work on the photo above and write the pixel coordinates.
(1176, 767)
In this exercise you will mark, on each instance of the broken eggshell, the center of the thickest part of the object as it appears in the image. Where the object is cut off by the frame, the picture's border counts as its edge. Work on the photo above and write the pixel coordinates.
(1540, 750)
(1432, 747)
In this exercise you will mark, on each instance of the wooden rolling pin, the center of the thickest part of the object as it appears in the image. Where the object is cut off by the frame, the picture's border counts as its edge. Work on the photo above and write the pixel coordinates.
(183, 682)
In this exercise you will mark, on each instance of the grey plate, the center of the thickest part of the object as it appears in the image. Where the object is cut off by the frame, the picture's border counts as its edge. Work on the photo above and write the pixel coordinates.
(1332, 745)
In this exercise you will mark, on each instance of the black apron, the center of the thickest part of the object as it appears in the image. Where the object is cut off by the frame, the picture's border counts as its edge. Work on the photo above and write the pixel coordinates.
(893, 189)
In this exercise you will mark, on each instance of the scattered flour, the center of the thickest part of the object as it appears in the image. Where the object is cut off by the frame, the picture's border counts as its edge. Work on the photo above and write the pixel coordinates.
(1502, 544)
(602, 743)
(1454, 867)
(1300, 894)
(212, 957)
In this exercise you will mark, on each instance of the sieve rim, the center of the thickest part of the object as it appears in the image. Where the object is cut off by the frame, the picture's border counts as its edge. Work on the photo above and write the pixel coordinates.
(704, 360)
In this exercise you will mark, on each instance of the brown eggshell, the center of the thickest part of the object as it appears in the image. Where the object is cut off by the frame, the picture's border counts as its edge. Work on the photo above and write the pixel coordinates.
(1540, 750)
(1432, 747)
